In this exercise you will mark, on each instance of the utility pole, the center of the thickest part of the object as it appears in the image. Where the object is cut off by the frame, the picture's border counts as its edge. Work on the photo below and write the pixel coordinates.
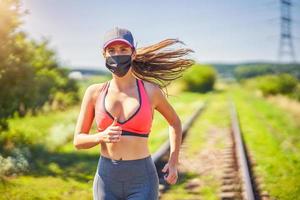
(286, 47)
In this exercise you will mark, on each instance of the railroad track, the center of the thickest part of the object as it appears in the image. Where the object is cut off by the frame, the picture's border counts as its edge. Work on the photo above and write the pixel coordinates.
(160, 157)
(239, 181)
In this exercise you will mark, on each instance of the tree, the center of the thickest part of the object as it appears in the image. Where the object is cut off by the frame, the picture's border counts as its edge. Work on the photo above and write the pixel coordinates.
(30, 74)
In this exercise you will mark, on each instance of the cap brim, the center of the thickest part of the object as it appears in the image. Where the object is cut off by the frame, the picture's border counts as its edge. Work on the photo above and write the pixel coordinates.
(116, 41)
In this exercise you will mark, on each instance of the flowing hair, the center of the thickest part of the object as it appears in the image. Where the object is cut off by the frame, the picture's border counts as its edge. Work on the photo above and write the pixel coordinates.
(159, 66)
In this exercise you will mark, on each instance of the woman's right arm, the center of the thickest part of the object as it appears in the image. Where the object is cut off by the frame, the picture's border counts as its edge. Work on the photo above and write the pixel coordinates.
(82, 138)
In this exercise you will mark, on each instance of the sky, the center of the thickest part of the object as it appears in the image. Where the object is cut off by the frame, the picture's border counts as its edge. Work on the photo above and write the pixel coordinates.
(219, 31)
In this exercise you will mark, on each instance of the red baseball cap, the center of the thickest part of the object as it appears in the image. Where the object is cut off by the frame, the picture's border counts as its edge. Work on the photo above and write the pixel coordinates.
(118, 35)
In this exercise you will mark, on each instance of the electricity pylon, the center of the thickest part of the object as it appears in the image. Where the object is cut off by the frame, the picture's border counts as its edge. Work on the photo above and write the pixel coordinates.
(286, 47)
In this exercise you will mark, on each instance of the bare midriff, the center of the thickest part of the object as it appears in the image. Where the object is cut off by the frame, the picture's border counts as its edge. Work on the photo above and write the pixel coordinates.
(128, 148)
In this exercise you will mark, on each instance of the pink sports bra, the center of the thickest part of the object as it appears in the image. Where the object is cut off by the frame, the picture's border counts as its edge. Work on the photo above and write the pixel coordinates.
(139, 124)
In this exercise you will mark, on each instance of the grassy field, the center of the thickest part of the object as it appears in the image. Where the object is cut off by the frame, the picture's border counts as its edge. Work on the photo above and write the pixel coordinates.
(272, 135)
(56, 169)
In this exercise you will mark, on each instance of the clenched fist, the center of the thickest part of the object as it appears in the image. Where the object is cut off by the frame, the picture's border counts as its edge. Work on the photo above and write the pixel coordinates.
(111, 134)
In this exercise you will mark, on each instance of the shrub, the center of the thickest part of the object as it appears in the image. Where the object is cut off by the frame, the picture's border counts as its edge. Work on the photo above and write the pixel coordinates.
(16, 163)
(277, 84)
(62, 100)
(296, 93)
(199, 78)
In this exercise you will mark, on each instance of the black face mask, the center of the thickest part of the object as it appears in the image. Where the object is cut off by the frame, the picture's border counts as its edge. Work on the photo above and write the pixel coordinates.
(119, 65)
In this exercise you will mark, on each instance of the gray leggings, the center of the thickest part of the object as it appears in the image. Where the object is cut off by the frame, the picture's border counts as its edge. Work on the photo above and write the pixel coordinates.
(125, 179)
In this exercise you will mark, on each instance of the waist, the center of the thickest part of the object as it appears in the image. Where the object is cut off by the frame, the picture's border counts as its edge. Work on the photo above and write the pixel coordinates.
(126, 169)
(128, 148)
(123, 162)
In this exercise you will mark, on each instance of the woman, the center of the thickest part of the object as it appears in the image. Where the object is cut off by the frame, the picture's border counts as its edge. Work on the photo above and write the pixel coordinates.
(123, 109)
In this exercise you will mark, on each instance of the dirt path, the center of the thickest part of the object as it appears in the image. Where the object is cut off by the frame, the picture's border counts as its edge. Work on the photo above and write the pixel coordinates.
(205, 164)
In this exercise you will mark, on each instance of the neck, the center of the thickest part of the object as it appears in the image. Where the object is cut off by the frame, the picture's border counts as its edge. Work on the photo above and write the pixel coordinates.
(123, 83)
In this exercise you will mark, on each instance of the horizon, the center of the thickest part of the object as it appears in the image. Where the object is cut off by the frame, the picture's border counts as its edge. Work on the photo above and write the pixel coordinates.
(74, 68)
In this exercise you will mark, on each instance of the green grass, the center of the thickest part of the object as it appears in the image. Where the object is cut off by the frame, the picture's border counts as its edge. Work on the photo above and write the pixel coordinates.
(272, 135)
(51, 129)
(49, 187)
(215, 115)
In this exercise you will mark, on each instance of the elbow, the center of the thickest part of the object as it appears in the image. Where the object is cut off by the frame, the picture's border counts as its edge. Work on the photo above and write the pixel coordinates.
(177, 124)
(180, 123)
(76, 145)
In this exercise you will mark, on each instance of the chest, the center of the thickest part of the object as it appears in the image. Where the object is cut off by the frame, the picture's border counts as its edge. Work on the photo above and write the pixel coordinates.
(123, 104)
(132, 108)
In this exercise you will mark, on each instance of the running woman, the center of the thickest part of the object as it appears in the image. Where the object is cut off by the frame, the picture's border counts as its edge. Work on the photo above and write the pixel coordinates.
(123, 110)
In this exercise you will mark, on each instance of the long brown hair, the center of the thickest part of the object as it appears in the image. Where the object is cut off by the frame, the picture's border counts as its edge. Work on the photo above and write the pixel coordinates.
(161, 67)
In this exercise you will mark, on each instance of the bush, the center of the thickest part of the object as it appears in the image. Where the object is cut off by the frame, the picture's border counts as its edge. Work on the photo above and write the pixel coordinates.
(199, 78)
(15, 151)
(62, 100)
(277, 84)
(14, 164)
(296, 93)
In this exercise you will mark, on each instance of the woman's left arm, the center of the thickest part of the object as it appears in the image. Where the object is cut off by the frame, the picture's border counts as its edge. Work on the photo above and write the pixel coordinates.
(162, 105)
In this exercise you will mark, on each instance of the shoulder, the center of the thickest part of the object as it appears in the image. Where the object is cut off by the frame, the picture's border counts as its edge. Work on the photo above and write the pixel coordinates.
(93, 90)
(154, 92)
(151, 88)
